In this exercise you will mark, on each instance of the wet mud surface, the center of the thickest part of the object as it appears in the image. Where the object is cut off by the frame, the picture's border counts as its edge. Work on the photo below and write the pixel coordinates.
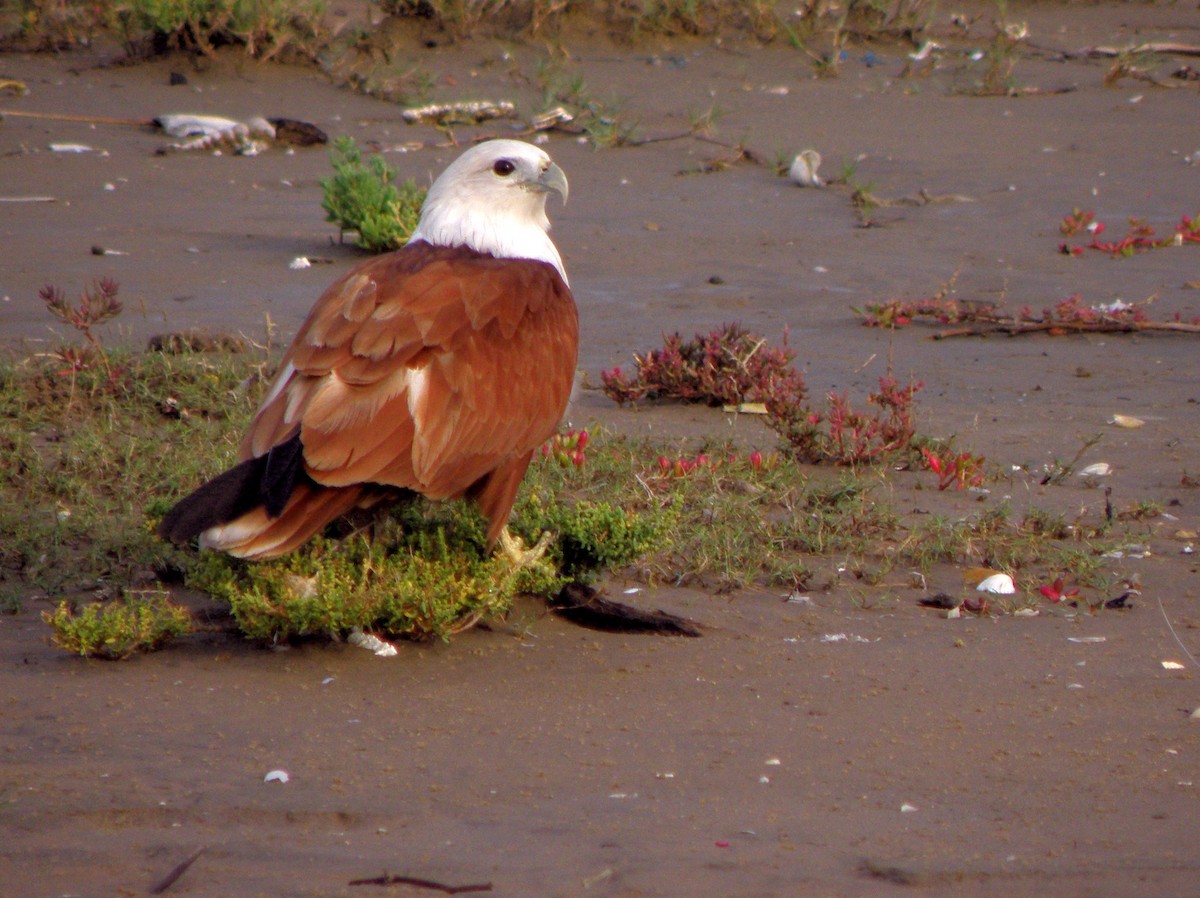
(768, 757)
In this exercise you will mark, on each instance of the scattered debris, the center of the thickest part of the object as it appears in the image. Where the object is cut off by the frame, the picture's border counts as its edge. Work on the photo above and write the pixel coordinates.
(177, 871)
(842, 637)
(420, 883)
(1123, 602)
(997, 584)
(804, 169)
(940, 600)
(1127, 421)
(921, 198)
(583, 605)
(1134, 550)
(551, 119)
(371, 642)
(746, 408)
(212, 132)
(1151, 47)
(597, 878)
(297, 133)
(467, 112)
(197, 131)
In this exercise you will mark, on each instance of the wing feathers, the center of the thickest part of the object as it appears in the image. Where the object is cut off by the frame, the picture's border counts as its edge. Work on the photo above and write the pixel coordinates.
(436, 370)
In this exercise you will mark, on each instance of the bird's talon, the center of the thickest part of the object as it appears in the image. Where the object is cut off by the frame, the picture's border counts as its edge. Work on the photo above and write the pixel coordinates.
(516, 553)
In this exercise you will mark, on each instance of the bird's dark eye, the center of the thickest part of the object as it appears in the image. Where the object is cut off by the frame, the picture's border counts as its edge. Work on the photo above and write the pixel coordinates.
(504, 167)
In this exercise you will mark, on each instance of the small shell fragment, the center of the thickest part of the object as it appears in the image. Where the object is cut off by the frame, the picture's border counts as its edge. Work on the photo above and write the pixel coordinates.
(299, 263)
(804, 169)
(907, 808)
(1127, 421)
(371, 642)
(277, 776)
(746, 408)
(1172, 665)
(998, 584)
(1098, 469)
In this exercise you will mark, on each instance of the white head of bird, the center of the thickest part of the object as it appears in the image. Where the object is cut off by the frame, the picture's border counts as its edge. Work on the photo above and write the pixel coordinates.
(493, 200)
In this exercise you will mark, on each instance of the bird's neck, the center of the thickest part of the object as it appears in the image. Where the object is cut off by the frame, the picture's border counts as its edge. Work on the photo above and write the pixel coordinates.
(505, 237)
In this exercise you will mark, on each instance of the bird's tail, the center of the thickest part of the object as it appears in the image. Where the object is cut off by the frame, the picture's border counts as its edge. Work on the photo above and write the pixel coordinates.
(256, 534)
(263, 507)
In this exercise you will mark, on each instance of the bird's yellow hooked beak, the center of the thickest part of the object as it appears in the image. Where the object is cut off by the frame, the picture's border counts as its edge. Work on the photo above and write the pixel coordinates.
(552, 180)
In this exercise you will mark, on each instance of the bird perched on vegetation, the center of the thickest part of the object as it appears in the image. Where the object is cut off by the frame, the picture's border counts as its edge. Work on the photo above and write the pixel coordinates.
(435, 370)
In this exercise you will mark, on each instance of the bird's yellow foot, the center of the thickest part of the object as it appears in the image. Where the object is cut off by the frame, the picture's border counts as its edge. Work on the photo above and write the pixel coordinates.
(519, 556)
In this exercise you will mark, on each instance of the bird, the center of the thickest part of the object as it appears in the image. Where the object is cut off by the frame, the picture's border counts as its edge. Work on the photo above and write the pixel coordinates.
(436, 370)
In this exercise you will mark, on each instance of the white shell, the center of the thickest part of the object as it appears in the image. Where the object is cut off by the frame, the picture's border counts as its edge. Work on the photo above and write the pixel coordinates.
(1127, 421)
(804, 169)
(998, 584)
(371, 642)
(277, 776)
(1099, 469)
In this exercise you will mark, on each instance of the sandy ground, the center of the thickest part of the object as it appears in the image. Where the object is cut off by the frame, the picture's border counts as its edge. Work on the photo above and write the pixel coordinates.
(971, 757)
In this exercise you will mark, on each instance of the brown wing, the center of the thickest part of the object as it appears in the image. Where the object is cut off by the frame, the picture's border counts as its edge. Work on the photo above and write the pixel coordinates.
(427, 369)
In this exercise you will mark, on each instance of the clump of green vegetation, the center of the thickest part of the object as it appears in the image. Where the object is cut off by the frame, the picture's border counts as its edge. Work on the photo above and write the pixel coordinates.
(115, 630)
(592, 537)
(422, 571)
(364, 197)
(81, 450)
(265, 28)
(389, 582)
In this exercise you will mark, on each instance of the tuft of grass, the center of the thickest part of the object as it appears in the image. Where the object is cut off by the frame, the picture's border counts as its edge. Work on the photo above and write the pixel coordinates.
(420, 585)
(364, 197)
(116, 630)
(265, 28)
(81, 452)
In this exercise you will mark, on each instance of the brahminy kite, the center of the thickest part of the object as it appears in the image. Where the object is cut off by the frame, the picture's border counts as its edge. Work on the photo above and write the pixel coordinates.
(435, 370)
